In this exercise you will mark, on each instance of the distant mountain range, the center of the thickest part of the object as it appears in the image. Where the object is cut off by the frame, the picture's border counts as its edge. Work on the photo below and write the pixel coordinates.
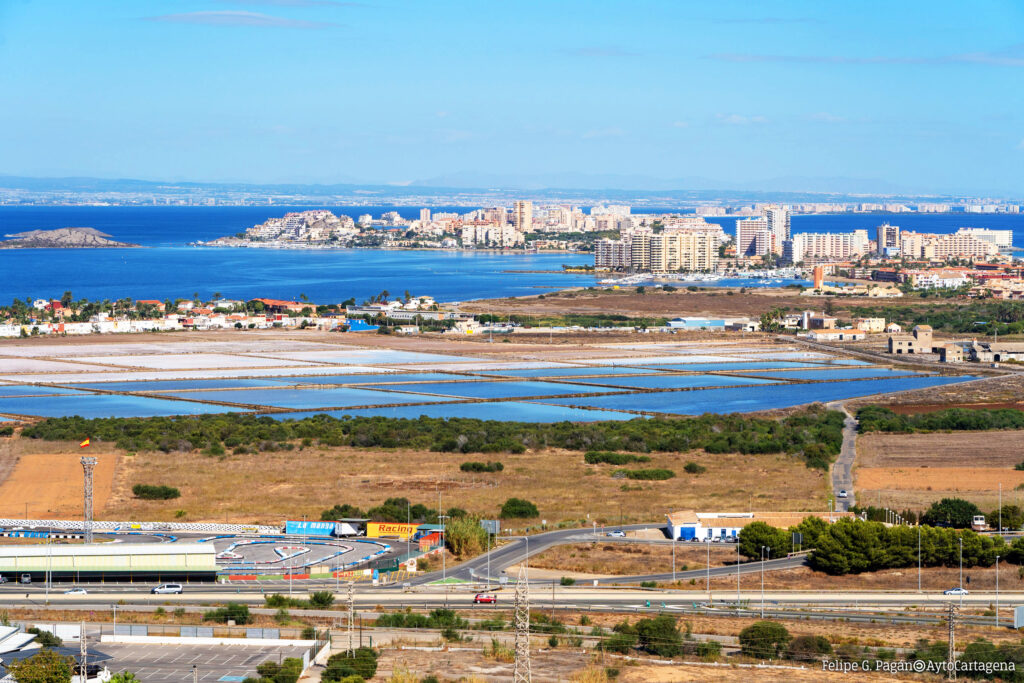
(569, 186)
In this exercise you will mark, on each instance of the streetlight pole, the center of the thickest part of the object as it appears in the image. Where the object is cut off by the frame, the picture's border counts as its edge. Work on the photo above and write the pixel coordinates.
(673, 559)
(919, 558)
(708, 540)
(737, 572)
(961, 571)
(444, 565)
(961, 561)
(762, 577)
(997, 591)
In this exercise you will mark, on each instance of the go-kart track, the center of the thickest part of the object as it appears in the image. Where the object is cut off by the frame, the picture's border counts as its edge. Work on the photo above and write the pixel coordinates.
(288, 554)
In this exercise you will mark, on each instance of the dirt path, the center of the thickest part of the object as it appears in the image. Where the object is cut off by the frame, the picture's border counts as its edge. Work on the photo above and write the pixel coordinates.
(8, 457)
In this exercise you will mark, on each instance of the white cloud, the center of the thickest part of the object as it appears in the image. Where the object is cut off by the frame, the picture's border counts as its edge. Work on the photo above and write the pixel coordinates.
(739, 119)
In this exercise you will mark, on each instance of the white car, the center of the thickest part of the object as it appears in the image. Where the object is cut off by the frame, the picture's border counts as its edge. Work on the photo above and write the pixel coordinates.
(843, 494)
(955, 591)
(76, 591)
(618, 533)
(167, 588)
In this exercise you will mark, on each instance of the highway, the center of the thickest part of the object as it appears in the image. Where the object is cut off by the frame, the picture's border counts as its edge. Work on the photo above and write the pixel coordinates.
(561, 597)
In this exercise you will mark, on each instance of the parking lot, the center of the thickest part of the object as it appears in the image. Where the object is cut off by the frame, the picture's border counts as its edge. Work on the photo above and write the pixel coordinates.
(229, 662)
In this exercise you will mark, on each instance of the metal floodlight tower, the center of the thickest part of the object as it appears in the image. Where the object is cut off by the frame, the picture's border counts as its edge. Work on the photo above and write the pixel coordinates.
(521, 670)
(88, 464)
(351, 617)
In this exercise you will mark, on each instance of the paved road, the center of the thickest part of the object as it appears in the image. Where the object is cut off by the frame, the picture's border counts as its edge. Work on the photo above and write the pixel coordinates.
(842, 474)
(562, 597)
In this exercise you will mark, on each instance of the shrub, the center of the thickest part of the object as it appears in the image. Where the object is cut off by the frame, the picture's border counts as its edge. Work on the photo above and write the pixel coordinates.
(359, 662)
(287, 671)
(45, 638)
(518, 508)
(148, 492)
(809, 648)
(709, 650)
(764, 640)
(695, 468)
(647, 475)
(648, 584)
(659, 636)
(321, 599)
(6, 431)
(612, 458)
(481, 467)
(237, 612)
(568, 581)
(465, 536)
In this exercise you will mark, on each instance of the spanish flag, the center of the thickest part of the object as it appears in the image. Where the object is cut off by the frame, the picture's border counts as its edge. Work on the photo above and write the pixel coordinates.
(84, 444)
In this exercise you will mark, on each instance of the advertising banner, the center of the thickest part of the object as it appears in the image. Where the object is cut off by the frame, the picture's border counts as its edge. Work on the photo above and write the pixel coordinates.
(378, 529)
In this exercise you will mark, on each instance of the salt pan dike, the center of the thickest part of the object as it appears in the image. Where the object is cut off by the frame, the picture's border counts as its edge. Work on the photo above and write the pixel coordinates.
(288, 378)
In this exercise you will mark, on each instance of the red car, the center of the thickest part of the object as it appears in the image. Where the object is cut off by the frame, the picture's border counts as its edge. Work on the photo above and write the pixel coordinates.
(486, 598)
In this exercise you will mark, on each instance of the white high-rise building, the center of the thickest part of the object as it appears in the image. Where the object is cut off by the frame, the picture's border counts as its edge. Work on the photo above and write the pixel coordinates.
(779, 220)
(522, 216)
(748, 242)
(424, 215)
(810, 247)
(888, 238)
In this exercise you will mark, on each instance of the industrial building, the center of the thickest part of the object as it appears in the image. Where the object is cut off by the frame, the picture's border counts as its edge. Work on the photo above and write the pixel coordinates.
(687, 525)
(156, 562)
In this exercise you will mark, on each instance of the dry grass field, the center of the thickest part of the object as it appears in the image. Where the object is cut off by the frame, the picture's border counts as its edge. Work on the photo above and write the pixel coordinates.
(623, 559)
(933, 579)
(269, 487)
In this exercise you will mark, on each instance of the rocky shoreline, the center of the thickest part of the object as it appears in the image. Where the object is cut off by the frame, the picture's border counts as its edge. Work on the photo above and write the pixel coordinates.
(63, 238)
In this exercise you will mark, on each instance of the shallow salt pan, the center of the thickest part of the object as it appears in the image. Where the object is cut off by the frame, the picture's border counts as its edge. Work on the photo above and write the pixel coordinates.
(191, 360)
(144, 375)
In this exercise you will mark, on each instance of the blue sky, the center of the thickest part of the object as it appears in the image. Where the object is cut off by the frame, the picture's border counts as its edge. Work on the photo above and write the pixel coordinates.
(922, 95)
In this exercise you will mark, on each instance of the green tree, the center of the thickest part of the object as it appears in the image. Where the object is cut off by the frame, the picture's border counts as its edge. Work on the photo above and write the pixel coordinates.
(45, 667)
(66, 299)
(343, 511)
(659, 636)
(758, 534)
(771, 321)
(764, 640)
(518, 508)
(1012, 517)
(124, 677)
(954, 512)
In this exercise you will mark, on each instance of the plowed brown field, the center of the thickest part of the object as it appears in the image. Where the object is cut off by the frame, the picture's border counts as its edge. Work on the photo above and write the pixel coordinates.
(52, 486)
